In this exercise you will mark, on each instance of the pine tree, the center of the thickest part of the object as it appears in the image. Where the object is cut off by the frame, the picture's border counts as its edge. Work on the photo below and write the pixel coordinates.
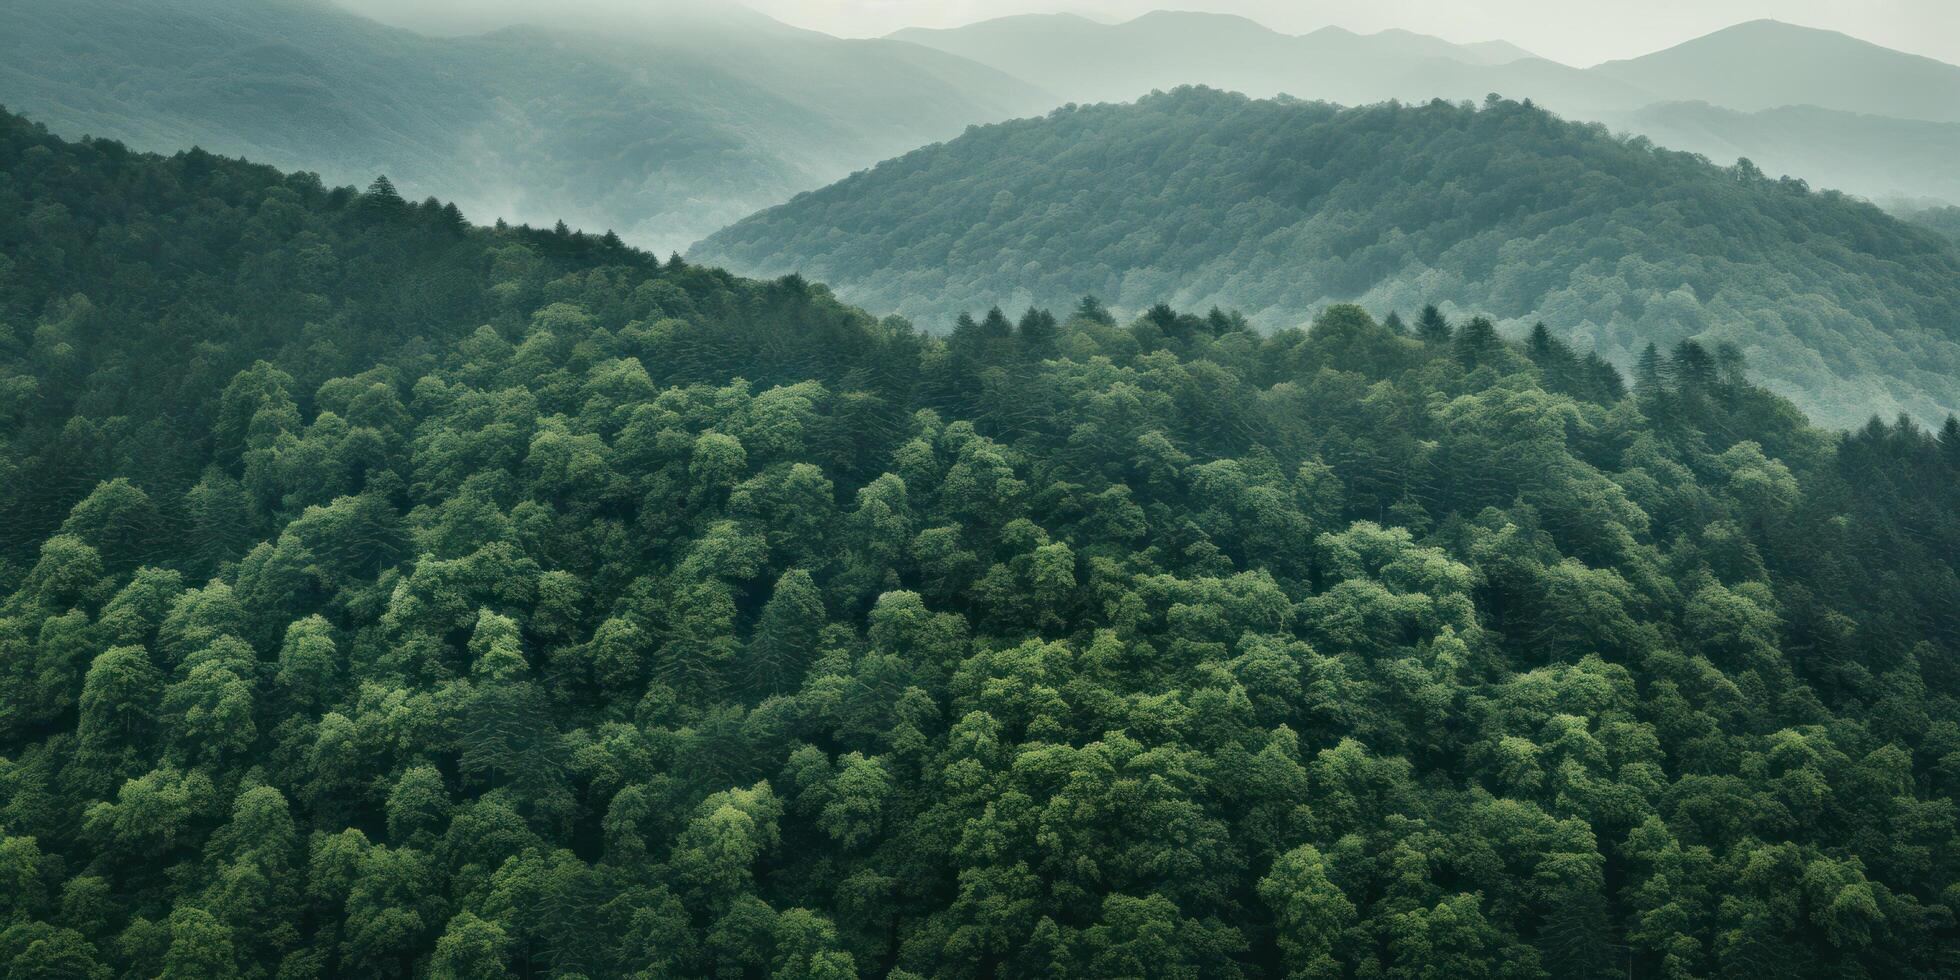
(996, 325)
(1037, 329)
(1694, 368)
(1540, 344)
(1475, 342)
(1650, 373)
(785, 638)
(1432, 328)
(382, 203)
(1091, 309)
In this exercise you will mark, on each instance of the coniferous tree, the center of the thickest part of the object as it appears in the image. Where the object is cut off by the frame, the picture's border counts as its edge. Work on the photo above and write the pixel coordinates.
(786, 636)
(1432, 328)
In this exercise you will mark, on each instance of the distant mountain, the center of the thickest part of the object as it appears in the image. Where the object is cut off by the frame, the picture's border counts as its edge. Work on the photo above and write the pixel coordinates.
(1765, 63)
(1816, 96)
(1087, 61)
(1278, 208)
(663, 129)
(1878, 157)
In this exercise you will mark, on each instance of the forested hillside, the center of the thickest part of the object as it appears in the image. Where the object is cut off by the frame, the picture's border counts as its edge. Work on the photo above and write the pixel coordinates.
(1281, 207)
(1753, 90)
(1943, 219)
(391, 597)
(664, 128)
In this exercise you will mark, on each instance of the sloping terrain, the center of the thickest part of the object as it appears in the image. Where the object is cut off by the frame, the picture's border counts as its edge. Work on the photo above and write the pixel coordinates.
(662, 133)
(1279, 208)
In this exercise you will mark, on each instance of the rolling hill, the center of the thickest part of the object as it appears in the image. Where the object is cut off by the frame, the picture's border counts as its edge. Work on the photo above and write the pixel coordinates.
(663, 130)
(1833, 110)
(1874, 156)
(1278, 208)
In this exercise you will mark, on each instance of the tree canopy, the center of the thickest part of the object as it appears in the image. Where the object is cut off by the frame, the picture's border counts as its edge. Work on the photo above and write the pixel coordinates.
(386, 596)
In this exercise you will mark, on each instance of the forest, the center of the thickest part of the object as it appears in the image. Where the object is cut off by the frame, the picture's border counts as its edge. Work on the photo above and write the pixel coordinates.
(1281, 207)
(389, 596)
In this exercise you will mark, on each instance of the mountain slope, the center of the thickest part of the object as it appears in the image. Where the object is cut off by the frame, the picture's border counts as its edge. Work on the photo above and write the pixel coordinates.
(382, 596)
(1279, 207)
(1873, 156)
(1942, 219)
(663, 130)
(1765, 63)
(1789, 71)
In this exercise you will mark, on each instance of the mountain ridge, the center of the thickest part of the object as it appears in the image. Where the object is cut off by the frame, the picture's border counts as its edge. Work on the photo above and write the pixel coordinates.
(1766, 63)
(663, 138)
(1278, 207)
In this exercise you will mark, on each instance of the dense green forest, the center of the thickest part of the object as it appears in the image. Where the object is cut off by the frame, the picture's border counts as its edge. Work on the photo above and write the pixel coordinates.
(1198, 197)
(664, 130)
(388, 596)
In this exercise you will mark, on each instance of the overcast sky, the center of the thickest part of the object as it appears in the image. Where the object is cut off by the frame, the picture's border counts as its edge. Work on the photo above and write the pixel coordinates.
(1578, 32)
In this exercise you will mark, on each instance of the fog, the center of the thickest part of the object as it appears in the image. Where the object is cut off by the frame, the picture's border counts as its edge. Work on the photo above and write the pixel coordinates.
(1577, 32)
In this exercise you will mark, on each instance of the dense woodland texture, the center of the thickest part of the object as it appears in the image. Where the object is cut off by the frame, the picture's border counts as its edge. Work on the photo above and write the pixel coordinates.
(1277, 208)
(387, 596)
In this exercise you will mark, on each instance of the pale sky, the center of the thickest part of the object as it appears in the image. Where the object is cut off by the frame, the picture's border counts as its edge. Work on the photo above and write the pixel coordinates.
(1578, 32)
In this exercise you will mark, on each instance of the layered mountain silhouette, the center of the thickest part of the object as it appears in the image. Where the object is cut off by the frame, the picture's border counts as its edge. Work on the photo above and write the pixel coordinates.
(664, 129)
(1278, 208)
(1810, 90)
(1765, 63)
(1087, 61)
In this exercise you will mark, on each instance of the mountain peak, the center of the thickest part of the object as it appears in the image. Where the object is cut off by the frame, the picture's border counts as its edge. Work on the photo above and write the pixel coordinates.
(1205, 19)
(1762, 64)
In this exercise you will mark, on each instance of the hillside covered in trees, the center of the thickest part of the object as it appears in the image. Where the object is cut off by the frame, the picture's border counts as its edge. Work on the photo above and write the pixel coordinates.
(1876, 157)
(664, 127)
(1834, 110)
(387, 596)
(1278, 208)
(1942, 219)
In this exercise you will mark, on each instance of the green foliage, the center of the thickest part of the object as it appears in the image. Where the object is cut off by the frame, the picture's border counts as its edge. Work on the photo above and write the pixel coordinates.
(612, 617)
(1281, 208)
